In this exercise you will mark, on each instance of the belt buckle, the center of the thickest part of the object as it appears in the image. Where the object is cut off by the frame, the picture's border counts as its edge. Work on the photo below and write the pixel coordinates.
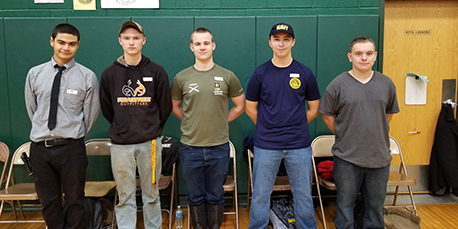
(48, 144)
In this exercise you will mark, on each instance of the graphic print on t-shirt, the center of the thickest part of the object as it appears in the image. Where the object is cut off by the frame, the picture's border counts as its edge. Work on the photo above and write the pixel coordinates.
(294, 82)
(217, 89)
(193, 87)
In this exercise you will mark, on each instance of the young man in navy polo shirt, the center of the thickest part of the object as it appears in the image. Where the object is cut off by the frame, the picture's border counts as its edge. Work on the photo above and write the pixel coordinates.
(276, 96)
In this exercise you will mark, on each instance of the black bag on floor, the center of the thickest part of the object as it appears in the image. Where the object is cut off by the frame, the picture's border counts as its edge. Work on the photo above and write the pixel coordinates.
(281, 214)
(93, 213)
(93, 209)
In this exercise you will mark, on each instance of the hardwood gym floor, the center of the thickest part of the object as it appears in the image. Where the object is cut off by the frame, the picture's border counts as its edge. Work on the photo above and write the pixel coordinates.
(441, 216)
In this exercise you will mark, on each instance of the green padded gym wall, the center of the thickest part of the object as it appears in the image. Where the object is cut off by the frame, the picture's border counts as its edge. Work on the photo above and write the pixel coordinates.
(304, 50)
(235, 50)
(99, 47)
(323, 30)
(167, 43)
(335, 34)
(27, 43)
(5, 124)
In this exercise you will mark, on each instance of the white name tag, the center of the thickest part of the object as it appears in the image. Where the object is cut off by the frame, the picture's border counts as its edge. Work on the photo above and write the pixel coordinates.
(148, 79)
(166, 145)
(71, 91)
(218, 78)
(295, 75)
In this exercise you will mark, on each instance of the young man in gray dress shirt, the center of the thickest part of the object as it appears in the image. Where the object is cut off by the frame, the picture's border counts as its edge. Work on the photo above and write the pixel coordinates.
(57, 152)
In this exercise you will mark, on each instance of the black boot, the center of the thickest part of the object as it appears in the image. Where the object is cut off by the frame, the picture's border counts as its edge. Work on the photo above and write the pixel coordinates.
(199, 216)
(215, 215)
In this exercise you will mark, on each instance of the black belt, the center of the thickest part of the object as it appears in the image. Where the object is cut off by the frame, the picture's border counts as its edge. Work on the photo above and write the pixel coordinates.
(50, 142)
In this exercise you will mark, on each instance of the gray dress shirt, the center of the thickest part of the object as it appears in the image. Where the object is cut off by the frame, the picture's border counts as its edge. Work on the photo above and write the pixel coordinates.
(78, 106)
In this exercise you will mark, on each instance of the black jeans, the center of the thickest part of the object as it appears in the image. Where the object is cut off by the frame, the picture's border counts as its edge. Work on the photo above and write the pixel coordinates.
(60, 169)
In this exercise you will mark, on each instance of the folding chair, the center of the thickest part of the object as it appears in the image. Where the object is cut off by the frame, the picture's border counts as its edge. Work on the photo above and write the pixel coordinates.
(4, 155)
(15, 191)
(164, 183)
(98, 189)
(321, 147)
(400, 177)
(229, 186)
(281, 182)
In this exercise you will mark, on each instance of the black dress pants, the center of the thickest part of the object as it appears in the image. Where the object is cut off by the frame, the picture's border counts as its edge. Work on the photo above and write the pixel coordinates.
(60, 169)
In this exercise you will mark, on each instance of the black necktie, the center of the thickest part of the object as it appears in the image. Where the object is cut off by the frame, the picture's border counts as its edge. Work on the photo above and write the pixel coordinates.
(55, 98)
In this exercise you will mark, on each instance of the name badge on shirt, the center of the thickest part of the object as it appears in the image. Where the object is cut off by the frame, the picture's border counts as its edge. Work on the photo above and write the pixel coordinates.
(218, 78)
(148, 79)
(295, 75)
(166, 145)
(72, 92)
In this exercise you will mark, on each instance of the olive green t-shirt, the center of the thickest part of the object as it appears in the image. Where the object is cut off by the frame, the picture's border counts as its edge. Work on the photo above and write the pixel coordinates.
(205, 98)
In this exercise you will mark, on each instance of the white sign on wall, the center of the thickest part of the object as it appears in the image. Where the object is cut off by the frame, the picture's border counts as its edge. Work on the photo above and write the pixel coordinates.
(128, 4)
(416, 89)
(48, 1)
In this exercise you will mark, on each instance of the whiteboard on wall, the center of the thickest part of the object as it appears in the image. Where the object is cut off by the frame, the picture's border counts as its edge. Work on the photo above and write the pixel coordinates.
(48, 1)
(415, 91)
(129, 4)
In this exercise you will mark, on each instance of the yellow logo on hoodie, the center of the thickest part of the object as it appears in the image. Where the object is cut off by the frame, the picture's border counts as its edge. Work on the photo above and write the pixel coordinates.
(133, 95)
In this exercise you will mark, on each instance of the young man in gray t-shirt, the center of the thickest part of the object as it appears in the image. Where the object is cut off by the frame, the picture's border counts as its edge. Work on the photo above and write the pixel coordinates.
(357, 107)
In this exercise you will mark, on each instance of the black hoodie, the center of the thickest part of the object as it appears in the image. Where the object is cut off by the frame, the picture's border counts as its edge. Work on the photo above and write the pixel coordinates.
(136, 100)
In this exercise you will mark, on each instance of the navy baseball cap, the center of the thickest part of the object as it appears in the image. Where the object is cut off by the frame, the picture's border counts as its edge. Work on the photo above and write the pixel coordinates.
(282, 27)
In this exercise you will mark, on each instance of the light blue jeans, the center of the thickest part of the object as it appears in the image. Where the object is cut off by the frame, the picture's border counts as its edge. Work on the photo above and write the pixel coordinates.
(350, 179)
(298, 163)
(124, 161)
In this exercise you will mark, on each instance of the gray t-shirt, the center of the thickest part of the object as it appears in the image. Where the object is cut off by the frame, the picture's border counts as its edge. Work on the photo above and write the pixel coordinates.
(204, 96)
(361, 126)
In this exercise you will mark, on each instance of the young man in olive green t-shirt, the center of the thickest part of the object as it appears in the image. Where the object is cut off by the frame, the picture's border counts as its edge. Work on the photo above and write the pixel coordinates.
(204, 90)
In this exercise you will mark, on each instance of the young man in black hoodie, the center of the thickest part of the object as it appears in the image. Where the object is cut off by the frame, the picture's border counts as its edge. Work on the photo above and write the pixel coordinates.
(135, 99)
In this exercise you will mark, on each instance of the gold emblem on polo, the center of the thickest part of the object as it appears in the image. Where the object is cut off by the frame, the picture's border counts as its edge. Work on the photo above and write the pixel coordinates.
(295, 83)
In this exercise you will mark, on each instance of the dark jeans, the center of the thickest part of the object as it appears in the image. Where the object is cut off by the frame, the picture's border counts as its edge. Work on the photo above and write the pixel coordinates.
(349, 180)
(205, 172)
(60, 169)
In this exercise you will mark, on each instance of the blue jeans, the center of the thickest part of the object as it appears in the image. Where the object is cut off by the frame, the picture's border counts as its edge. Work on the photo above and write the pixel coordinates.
(124, 161)
(349, 180)
(205, 171)
(298, 163)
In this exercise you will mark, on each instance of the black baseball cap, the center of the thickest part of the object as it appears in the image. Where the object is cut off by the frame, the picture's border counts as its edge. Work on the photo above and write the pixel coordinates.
(282, 27)
(132, 24)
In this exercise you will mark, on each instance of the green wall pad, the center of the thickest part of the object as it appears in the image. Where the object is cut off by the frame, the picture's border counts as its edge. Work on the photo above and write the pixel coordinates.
(5, 125)
(241, 45)
(27, 45)
(335, 34)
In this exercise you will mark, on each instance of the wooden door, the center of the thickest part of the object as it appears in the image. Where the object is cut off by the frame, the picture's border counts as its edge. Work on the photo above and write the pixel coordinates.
(420, 37)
